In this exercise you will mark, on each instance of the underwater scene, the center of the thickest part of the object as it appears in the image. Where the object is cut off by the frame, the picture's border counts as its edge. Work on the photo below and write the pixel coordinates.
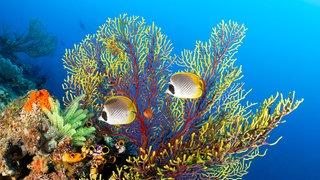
(138, 89)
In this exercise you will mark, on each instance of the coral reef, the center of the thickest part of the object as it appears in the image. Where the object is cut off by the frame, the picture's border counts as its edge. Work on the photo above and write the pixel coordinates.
(33, 127)
(41, 97)
(18, 76)
(21, 134)
(9, 71)
(214, 136)
(13, 83)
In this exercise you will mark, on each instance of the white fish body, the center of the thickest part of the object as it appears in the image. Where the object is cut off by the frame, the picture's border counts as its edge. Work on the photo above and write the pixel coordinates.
(118, 110)
(185, 85)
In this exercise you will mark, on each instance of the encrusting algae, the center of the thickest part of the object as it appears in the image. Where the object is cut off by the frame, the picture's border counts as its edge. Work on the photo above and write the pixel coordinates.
(199, 129)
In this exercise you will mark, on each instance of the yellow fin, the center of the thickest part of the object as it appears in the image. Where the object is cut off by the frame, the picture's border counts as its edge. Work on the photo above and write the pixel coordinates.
(196, 79)
(198, 93)
(131, 117)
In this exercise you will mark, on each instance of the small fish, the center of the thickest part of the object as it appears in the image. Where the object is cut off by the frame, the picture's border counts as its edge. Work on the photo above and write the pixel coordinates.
(185, 85)
(82, 26)
(148, 113)
(118, 110)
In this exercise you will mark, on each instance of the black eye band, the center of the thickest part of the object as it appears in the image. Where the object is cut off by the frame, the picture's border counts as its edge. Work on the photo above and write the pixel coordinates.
(171, 88)
(104, 115)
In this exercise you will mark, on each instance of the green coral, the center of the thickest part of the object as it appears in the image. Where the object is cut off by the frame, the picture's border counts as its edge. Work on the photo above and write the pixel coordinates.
(70, 123)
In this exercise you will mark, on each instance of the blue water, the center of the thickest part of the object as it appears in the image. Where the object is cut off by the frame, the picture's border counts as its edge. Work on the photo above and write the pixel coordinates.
(280, 53)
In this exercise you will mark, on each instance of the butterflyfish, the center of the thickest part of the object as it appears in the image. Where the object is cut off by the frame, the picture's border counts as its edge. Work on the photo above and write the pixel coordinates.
(185, 85)
(118, 110)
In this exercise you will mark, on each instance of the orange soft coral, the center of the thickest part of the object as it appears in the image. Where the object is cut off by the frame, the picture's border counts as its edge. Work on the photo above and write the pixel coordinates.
(41, 97)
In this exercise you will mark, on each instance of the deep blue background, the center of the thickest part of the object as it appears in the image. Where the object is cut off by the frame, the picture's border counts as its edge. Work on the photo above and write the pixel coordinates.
(280, 53)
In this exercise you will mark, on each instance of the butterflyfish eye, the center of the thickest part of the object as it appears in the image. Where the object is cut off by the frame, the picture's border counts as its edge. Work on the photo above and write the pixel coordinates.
(105, 150)
(104, 115)
(171, 88)
(71, 155)
(94, 166)
(91, 148)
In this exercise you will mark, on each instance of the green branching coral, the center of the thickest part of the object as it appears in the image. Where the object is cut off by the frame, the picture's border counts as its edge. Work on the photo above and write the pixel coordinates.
(69, 123)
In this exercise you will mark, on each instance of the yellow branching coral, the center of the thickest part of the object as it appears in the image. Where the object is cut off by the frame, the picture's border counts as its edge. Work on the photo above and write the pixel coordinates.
(222, 153)
(214, 136)
(214, 62)
(124, 57)
(82, 68)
